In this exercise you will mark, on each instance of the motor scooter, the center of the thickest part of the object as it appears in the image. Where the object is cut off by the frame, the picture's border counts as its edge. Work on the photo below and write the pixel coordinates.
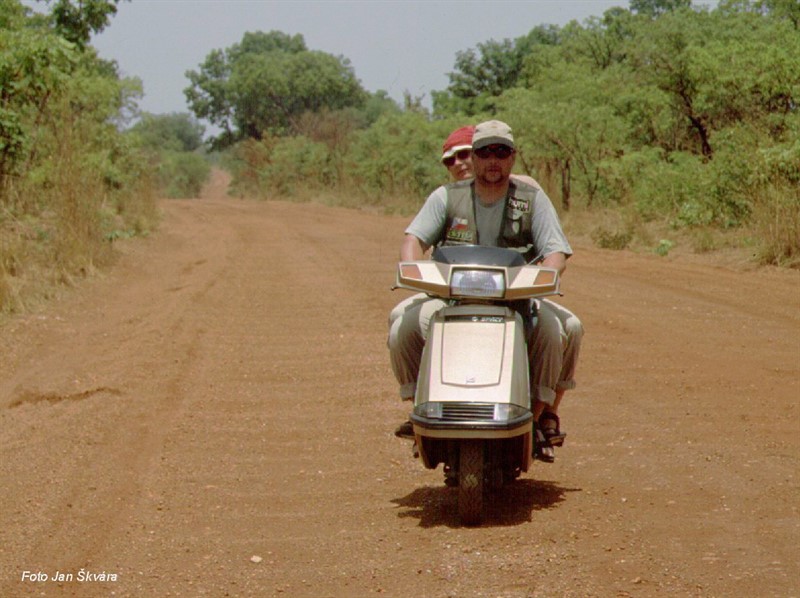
(472, 408)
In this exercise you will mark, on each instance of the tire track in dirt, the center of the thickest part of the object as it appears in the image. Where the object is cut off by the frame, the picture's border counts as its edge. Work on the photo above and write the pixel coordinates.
(98, 449)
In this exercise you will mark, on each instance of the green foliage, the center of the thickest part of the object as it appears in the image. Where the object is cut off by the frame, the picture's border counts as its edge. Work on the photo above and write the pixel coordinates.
(12, 14)
(663, 248)
(77, 21)
(788, 10)
(169, 132)
(280, 166)
(675, 116)
(34, 68)
(611, 239)
(182, 174)
(581, 132)
(717, 70)
(600, 42)
(69, 180)
(783, 9)
(376, 105)
(654, 8)
(173, 142)
(399, 155)
(264, 84)
(481, 75)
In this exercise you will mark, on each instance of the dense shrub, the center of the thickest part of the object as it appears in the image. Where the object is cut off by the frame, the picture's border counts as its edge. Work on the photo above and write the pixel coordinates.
(279, 165)
(183, 174)
(70, 182)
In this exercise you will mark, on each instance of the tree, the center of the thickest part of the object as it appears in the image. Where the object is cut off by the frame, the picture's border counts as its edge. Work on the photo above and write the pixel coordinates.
(265, 83)
(602, 41)
(176, 132)
(572, 126)
(399, 155)
(664, 56)
(784, 9)
(492, 69)
(778, 9)
(655, 8)
(482, 74)
(77, 21)
(12, 14)
(378, 104)
(719, 69)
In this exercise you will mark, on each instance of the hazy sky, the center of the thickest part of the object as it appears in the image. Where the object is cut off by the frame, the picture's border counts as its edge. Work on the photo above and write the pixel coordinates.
(393, 45)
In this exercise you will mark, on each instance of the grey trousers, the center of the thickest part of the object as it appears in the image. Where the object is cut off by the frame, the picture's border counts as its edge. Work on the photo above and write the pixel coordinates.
(553, 348)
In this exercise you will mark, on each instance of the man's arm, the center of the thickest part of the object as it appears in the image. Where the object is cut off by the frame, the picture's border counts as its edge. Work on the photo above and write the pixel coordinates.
(426, 227)
(412, 249)
(555, 260)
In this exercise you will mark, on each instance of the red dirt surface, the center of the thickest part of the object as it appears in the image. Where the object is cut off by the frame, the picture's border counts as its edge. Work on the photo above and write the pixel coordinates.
(214, 417)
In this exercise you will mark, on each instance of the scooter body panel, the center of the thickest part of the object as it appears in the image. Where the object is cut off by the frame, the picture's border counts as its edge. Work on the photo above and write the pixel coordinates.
(475, 353)
(474, 384)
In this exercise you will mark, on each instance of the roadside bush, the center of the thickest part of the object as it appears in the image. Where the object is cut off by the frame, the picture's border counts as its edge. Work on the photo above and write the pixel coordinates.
(245, 161)
(393, 164)
(777, 223)
(81, 185)
(279, 165)
(174, 143)
(297, 163)
(611, 239)
(661, 186)
(182, 174)
(776, 207)
(398, 155)
(178, 132)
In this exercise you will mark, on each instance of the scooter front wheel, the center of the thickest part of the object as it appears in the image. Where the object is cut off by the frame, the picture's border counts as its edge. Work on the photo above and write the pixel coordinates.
(470, 482)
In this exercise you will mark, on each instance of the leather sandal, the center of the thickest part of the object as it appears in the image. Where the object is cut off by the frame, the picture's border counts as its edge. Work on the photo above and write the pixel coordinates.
(550, 426)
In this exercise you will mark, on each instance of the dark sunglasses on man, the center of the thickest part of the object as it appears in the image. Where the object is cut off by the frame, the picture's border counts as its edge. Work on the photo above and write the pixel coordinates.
(501, 152)
(461, 155)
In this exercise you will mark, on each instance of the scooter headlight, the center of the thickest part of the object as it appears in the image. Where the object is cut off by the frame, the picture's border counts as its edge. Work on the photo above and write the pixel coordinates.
(477, 283)
(508, 411)
(430, 409)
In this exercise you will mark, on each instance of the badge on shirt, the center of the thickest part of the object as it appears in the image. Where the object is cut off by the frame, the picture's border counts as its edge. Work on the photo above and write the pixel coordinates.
(516, 208)
(519, 205)
(459, 231)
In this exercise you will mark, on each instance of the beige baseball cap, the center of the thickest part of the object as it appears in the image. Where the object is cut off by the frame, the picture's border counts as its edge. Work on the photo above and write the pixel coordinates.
(492, 132)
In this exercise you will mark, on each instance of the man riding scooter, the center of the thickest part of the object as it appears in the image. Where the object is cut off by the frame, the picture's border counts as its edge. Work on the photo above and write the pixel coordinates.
(493, 209)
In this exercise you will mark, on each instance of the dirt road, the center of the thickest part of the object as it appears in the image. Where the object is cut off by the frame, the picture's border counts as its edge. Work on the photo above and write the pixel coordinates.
(214, 418)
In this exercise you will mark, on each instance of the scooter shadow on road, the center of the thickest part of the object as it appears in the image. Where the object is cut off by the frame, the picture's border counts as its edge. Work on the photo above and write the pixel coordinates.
(514, 504)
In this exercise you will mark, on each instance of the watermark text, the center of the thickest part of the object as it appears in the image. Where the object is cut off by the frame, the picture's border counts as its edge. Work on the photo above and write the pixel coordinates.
(83, 575)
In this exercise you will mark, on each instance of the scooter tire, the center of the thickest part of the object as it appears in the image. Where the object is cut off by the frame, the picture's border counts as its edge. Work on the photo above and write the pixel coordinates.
(470, 482)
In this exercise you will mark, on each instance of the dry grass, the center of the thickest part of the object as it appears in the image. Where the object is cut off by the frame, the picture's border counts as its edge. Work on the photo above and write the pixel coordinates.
(776, 223)
(58, 226)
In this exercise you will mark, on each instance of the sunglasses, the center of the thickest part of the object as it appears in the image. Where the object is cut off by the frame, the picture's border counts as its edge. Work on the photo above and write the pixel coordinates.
(462, 155)
(501, 152)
